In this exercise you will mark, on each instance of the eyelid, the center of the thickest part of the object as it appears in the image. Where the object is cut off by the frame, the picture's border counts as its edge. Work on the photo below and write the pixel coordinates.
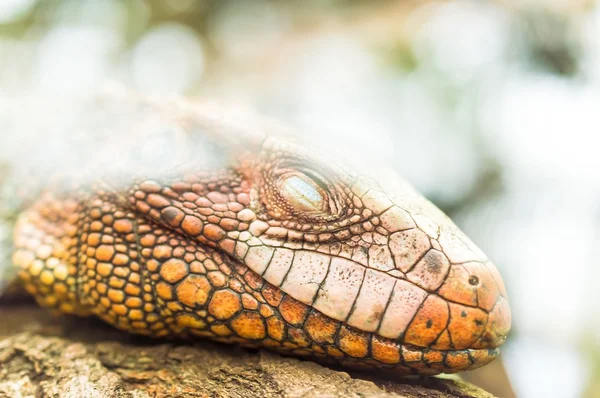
(317, 179)
(295, 168)
(305, 193)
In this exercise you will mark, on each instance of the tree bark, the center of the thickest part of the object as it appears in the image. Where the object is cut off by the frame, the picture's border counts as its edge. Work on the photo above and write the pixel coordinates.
(46, 356)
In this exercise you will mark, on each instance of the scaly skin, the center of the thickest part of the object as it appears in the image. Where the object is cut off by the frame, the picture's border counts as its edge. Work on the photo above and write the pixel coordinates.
(244, 237)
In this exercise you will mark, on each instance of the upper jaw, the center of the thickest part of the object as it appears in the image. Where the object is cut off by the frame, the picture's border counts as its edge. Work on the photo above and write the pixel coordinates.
(441, 293)
(403, 272)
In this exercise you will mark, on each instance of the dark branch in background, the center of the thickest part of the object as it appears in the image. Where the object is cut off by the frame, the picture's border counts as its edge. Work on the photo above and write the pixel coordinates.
(549, 42)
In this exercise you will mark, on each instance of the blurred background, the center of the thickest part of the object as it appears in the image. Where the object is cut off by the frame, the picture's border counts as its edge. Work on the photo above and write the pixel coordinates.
(490, 108)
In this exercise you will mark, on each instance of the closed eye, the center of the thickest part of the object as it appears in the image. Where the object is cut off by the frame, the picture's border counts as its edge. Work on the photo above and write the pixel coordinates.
(304, 194)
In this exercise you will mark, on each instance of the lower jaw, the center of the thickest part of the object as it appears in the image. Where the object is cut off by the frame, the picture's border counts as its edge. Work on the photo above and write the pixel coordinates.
(384, 356)
(449, 362)
(414, 361)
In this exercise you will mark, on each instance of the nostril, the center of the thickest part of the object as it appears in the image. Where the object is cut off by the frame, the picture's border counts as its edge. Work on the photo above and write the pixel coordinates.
(473, 280)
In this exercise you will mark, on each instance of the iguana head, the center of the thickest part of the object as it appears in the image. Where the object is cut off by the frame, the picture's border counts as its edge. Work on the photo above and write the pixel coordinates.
(247, 235)
(391, 279)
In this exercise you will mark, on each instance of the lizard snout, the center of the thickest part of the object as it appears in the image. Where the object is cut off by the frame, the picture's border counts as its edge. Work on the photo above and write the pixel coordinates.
(480, 314)
(497, 327)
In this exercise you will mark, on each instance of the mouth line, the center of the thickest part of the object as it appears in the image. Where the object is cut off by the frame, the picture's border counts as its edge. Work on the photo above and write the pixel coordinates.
(470, 352)
(424, 361)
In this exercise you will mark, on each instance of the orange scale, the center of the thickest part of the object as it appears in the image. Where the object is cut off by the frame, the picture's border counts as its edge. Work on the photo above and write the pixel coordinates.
(354, 343)
(194, 290)
(293, 311)
(224, 304)
(320, 328)
(385, 351)
(411, 355)
(433, 356)
(466, 325)
(174, 270)
(429, 322)
(249, 325)
(457, 360)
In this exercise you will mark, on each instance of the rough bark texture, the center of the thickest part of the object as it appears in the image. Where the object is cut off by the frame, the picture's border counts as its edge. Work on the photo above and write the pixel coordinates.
(44, 356)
